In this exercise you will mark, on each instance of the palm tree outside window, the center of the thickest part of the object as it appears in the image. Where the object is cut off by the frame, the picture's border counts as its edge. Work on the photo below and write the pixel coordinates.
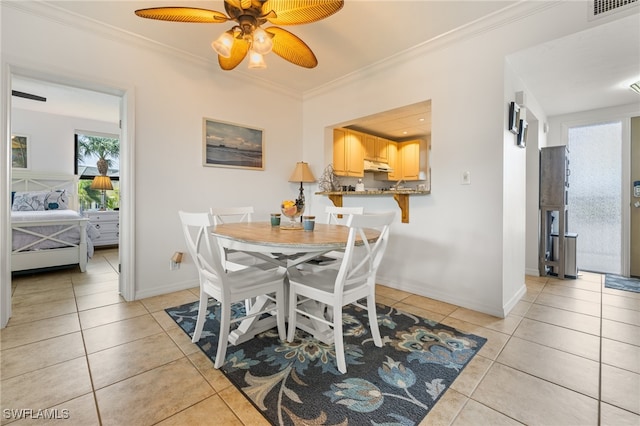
(97, 154)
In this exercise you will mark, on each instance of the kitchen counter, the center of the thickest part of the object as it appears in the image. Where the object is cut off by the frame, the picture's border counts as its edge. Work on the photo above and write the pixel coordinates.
(400, 195)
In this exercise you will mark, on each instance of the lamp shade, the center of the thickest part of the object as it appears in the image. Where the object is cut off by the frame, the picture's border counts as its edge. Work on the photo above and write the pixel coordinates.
(302, 173)
(101, 182)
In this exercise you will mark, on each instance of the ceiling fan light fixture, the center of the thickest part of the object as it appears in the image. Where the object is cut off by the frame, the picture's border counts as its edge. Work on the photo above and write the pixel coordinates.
(256, 60)
(222, 45)
(247, 37)
(262, 43)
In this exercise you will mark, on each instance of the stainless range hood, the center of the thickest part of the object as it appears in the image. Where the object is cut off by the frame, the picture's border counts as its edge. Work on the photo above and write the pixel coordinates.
(376, 166)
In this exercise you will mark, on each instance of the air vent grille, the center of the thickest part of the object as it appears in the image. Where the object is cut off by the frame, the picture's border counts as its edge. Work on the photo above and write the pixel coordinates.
(601, 7)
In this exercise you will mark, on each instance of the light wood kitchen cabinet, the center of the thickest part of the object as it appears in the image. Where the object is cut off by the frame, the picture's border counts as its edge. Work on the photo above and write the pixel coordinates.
(404, 159)
(369, 143)
(410, 159)
(382, 150)
(392, 156)
(375, 148)
(348, 153)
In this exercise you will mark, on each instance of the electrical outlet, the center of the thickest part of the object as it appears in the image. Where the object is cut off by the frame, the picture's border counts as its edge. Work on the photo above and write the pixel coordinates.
(466, 178)
(173, 266)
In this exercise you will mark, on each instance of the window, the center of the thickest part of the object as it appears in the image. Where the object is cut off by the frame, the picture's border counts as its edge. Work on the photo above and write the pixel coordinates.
(97, 154)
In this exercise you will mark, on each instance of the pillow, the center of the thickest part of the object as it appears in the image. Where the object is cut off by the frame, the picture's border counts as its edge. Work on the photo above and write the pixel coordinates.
(56, 200)
(40, 201)
(29, 201)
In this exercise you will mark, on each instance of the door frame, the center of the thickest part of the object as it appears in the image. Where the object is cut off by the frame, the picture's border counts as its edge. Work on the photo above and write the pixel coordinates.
(126, 93)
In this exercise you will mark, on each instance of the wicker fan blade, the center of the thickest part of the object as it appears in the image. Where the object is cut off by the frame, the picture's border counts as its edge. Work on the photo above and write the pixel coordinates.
(291, 48)
(183, 14)
(239, 50)
(293, 12)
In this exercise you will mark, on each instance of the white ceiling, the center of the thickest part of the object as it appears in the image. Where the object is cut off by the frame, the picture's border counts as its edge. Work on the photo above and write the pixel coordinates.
(584, 71)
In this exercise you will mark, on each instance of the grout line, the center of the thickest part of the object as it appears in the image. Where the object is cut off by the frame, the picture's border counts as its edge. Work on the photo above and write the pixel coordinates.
(600, 358)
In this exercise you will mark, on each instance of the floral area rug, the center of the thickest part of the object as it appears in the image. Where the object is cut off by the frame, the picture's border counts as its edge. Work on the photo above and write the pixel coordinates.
(622, 283)
(298, 383)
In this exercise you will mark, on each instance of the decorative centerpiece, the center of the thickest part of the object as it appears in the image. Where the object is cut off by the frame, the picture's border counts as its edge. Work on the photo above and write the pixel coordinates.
(293, 210)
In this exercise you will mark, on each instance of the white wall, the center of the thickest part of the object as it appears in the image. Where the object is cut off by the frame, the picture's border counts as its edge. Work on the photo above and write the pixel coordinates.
(51, 138)
(464, 244)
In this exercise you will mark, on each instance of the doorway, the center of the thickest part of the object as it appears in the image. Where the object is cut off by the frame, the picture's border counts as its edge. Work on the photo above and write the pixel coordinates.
(124, 110)
(595, 195)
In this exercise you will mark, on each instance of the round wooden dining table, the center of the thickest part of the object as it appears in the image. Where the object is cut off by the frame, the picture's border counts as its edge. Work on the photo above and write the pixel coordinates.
(261, 237)
(283, 247)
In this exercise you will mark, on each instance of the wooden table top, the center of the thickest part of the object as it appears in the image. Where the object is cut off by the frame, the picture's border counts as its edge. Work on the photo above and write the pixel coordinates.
(262, 234)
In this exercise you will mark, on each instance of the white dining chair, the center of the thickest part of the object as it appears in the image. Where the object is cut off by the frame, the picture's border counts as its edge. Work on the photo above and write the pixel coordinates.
(228, 287)
(234, 260)
(335, 288)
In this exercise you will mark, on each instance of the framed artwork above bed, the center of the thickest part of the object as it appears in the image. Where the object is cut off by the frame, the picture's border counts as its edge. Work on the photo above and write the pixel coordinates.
(20, 152)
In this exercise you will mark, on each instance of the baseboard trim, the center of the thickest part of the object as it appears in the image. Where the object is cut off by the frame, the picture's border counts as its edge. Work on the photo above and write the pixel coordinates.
(158, 291)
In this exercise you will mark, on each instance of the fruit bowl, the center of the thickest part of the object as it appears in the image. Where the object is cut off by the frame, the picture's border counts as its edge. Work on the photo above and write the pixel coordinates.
(292, 210)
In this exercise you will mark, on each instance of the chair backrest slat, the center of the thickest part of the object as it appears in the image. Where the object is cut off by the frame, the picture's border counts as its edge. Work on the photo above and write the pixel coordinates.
(204, 252)
(231, 214)
(361, 262)
(333, 212)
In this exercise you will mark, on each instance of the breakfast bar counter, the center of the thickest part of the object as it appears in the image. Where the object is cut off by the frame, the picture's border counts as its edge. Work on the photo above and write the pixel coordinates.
(400, 195)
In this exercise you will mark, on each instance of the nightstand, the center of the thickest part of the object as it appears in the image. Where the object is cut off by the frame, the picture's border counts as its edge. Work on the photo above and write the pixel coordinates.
(108, 223)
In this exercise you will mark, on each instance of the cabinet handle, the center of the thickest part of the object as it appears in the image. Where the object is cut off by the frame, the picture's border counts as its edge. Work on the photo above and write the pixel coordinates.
(97, 226)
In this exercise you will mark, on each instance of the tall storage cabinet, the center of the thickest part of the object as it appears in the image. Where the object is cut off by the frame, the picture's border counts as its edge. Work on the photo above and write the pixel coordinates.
(554, 185)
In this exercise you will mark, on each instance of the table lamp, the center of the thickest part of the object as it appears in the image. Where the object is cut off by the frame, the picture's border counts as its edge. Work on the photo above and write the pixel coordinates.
(302, 173)
(102, 183)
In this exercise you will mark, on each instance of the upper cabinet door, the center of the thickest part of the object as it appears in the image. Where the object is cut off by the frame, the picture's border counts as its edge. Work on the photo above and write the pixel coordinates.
(369, 147)
(355, 154)
(340, 152)
(348, 153)
(382, 150)
(410, 154)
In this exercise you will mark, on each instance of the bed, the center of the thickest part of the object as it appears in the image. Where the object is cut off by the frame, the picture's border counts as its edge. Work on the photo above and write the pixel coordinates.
(46, 228)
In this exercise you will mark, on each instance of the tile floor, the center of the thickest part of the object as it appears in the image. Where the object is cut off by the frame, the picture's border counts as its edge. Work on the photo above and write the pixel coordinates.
(569, 354)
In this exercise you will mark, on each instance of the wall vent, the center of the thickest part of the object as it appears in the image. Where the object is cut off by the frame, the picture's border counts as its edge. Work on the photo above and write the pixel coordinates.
(600, 8)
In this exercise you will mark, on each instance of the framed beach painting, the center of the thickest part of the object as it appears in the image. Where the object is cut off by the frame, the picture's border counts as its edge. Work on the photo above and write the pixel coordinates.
(20, 152)
(232, 145)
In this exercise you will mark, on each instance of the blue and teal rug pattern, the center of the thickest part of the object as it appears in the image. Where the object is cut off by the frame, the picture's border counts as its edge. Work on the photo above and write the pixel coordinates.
(622, 283)
(298, 383)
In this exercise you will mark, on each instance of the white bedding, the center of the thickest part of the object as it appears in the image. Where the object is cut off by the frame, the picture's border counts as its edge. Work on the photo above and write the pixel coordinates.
(22, 241)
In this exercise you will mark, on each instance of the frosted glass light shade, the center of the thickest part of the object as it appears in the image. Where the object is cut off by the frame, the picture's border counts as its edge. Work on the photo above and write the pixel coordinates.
(262, 43)
(223, 44)
(256, 60)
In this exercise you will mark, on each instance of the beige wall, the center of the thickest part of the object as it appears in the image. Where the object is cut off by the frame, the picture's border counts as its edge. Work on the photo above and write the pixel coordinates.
(635, 211)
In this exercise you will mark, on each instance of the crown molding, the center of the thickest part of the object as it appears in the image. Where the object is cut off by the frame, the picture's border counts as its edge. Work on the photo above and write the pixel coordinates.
(506, 16)
(53, 13)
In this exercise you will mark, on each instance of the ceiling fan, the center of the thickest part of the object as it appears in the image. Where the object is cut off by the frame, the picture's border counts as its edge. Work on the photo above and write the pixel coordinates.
(247, 37)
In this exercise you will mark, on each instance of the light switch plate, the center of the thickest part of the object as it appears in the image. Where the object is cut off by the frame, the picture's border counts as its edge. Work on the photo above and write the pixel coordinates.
(466, 178)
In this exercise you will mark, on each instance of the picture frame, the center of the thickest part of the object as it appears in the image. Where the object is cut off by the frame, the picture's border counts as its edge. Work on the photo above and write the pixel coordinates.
(514, 118)
(20, 152)
(522, 133)
(232, 145)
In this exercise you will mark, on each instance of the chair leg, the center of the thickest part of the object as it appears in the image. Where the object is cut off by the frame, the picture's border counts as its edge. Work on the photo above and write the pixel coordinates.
(293, 301)
(338, 339)
(223, 339)
(373, 320)
(280, 314)
(202, 314)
